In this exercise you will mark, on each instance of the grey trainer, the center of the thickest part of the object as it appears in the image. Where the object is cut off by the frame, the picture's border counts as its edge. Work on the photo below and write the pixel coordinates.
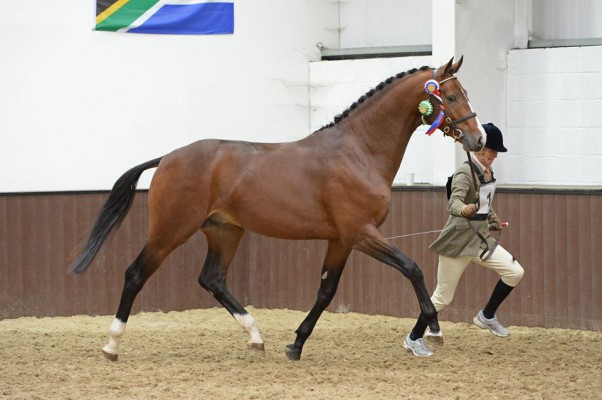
(418, 347)
(492, 324)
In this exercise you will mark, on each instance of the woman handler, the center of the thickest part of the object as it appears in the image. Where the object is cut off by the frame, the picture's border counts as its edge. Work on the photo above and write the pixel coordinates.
(465, 238)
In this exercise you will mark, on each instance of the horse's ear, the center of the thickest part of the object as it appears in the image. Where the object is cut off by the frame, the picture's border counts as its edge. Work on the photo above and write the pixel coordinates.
(457, 65)
(452, 68)
(449, 69)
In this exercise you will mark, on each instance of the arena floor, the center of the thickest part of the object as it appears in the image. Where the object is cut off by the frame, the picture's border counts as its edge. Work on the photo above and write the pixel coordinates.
(201, 354)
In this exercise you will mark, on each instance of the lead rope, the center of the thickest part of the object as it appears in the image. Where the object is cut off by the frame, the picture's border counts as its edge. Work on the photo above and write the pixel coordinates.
(414, 234)
(487, 252)
(474, 180)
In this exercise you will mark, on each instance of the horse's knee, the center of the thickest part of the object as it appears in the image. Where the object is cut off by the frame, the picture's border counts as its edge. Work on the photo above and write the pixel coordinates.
(328, 287)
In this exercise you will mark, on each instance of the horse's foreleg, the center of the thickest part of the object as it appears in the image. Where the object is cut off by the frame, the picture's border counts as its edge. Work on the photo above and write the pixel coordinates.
(334, 263)
(222, 242)
(136, 275)
(374, 245)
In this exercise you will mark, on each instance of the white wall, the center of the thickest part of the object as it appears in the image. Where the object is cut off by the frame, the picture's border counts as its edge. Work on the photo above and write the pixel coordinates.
(545, 101)
(564, 19)
(375, 23)
(554, 108)
(485, 30)
(78, 107)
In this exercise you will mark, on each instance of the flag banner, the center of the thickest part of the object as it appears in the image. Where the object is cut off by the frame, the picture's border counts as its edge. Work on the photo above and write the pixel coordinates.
(179, 17)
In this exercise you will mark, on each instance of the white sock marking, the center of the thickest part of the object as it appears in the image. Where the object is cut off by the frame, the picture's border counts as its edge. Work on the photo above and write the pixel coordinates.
(248, 323)
(116, 331)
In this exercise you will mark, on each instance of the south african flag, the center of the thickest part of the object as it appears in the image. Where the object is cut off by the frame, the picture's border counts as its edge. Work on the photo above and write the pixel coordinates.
(180, 17)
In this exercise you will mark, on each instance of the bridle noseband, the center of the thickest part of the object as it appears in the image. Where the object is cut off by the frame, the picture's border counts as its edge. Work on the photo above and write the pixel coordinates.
(432, 88)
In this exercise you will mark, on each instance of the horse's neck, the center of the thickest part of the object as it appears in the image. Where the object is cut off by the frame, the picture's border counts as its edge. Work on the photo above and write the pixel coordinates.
(384, 126)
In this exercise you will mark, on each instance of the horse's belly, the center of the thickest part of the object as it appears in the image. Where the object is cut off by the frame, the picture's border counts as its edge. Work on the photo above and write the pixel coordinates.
(283, 225)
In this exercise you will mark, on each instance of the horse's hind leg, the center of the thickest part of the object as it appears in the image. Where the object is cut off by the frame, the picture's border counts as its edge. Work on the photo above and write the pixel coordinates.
(222, 242)
(136, 275)
(334, 262)
(169, 227)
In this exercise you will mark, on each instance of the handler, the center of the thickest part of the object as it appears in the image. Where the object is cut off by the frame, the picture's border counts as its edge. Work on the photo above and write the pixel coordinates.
(466, 238)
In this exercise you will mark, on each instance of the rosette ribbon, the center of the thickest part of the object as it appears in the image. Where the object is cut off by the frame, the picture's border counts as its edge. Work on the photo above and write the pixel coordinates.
(432, 88)
(436, 123)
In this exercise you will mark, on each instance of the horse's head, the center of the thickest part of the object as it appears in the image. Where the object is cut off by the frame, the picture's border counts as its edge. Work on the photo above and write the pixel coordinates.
(457, 118)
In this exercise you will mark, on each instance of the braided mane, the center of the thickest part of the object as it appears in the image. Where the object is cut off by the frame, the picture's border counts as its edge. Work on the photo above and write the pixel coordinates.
(370, 93)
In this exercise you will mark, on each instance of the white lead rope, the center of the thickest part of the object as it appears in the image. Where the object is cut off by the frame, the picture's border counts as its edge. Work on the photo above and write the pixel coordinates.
(502, 224)
(413, 234)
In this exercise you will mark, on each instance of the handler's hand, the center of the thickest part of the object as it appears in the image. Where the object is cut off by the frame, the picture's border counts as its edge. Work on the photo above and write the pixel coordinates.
(495, 224)
(469, 210)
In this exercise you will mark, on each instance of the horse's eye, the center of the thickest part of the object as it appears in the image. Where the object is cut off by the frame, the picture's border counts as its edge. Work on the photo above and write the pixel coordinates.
(451, 98)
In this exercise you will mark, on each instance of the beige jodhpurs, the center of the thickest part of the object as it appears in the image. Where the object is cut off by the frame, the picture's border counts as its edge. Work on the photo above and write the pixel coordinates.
(450, 270)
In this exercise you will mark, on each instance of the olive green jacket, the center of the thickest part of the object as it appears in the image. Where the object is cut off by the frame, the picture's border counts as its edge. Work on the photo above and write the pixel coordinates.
(457, 238)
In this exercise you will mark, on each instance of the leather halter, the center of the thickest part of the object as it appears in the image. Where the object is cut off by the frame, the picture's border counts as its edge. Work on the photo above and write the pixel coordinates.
(456, 132)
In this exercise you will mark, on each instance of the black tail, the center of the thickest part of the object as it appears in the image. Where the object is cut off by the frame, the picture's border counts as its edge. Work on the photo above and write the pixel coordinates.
(112, 214)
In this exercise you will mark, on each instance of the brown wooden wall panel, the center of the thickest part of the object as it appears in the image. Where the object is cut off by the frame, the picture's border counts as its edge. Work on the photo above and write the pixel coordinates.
(283, 273)
(555, 235)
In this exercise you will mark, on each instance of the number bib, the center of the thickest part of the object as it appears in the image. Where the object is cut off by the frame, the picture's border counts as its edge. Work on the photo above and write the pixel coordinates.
(486, 193)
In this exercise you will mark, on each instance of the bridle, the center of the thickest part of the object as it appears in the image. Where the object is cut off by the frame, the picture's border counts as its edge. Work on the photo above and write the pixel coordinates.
(432, 88)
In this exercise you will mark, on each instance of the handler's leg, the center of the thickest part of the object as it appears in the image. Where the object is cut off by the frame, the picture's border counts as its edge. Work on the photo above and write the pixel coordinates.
(510, 272)
(449, 272)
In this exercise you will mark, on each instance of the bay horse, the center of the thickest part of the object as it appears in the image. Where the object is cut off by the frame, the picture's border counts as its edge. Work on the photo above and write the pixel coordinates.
(333, 185)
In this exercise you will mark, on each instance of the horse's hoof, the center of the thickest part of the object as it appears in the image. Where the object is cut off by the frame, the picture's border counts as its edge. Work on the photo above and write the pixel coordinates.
(259, 347)
(110, 356)
(435, 339)
(292, 354)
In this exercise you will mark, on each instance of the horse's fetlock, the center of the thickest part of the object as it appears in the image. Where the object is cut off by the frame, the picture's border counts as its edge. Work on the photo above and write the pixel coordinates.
(302, 334)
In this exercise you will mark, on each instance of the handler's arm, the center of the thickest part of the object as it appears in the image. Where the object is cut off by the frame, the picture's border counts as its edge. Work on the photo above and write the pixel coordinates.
(460, 188)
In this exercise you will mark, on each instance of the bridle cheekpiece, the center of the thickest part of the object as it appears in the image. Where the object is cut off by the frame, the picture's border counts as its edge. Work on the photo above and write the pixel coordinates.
(426, 109)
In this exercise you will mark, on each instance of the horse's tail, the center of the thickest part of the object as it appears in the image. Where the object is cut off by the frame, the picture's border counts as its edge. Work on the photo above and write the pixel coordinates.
(112, 214)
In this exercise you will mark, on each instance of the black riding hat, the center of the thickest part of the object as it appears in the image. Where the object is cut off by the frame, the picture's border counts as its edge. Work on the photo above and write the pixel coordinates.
(495, 140)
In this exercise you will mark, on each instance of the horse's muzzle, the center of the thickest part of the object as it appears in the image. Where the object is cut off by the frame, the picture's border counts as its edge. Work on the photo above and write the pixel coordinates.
(469, 141)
